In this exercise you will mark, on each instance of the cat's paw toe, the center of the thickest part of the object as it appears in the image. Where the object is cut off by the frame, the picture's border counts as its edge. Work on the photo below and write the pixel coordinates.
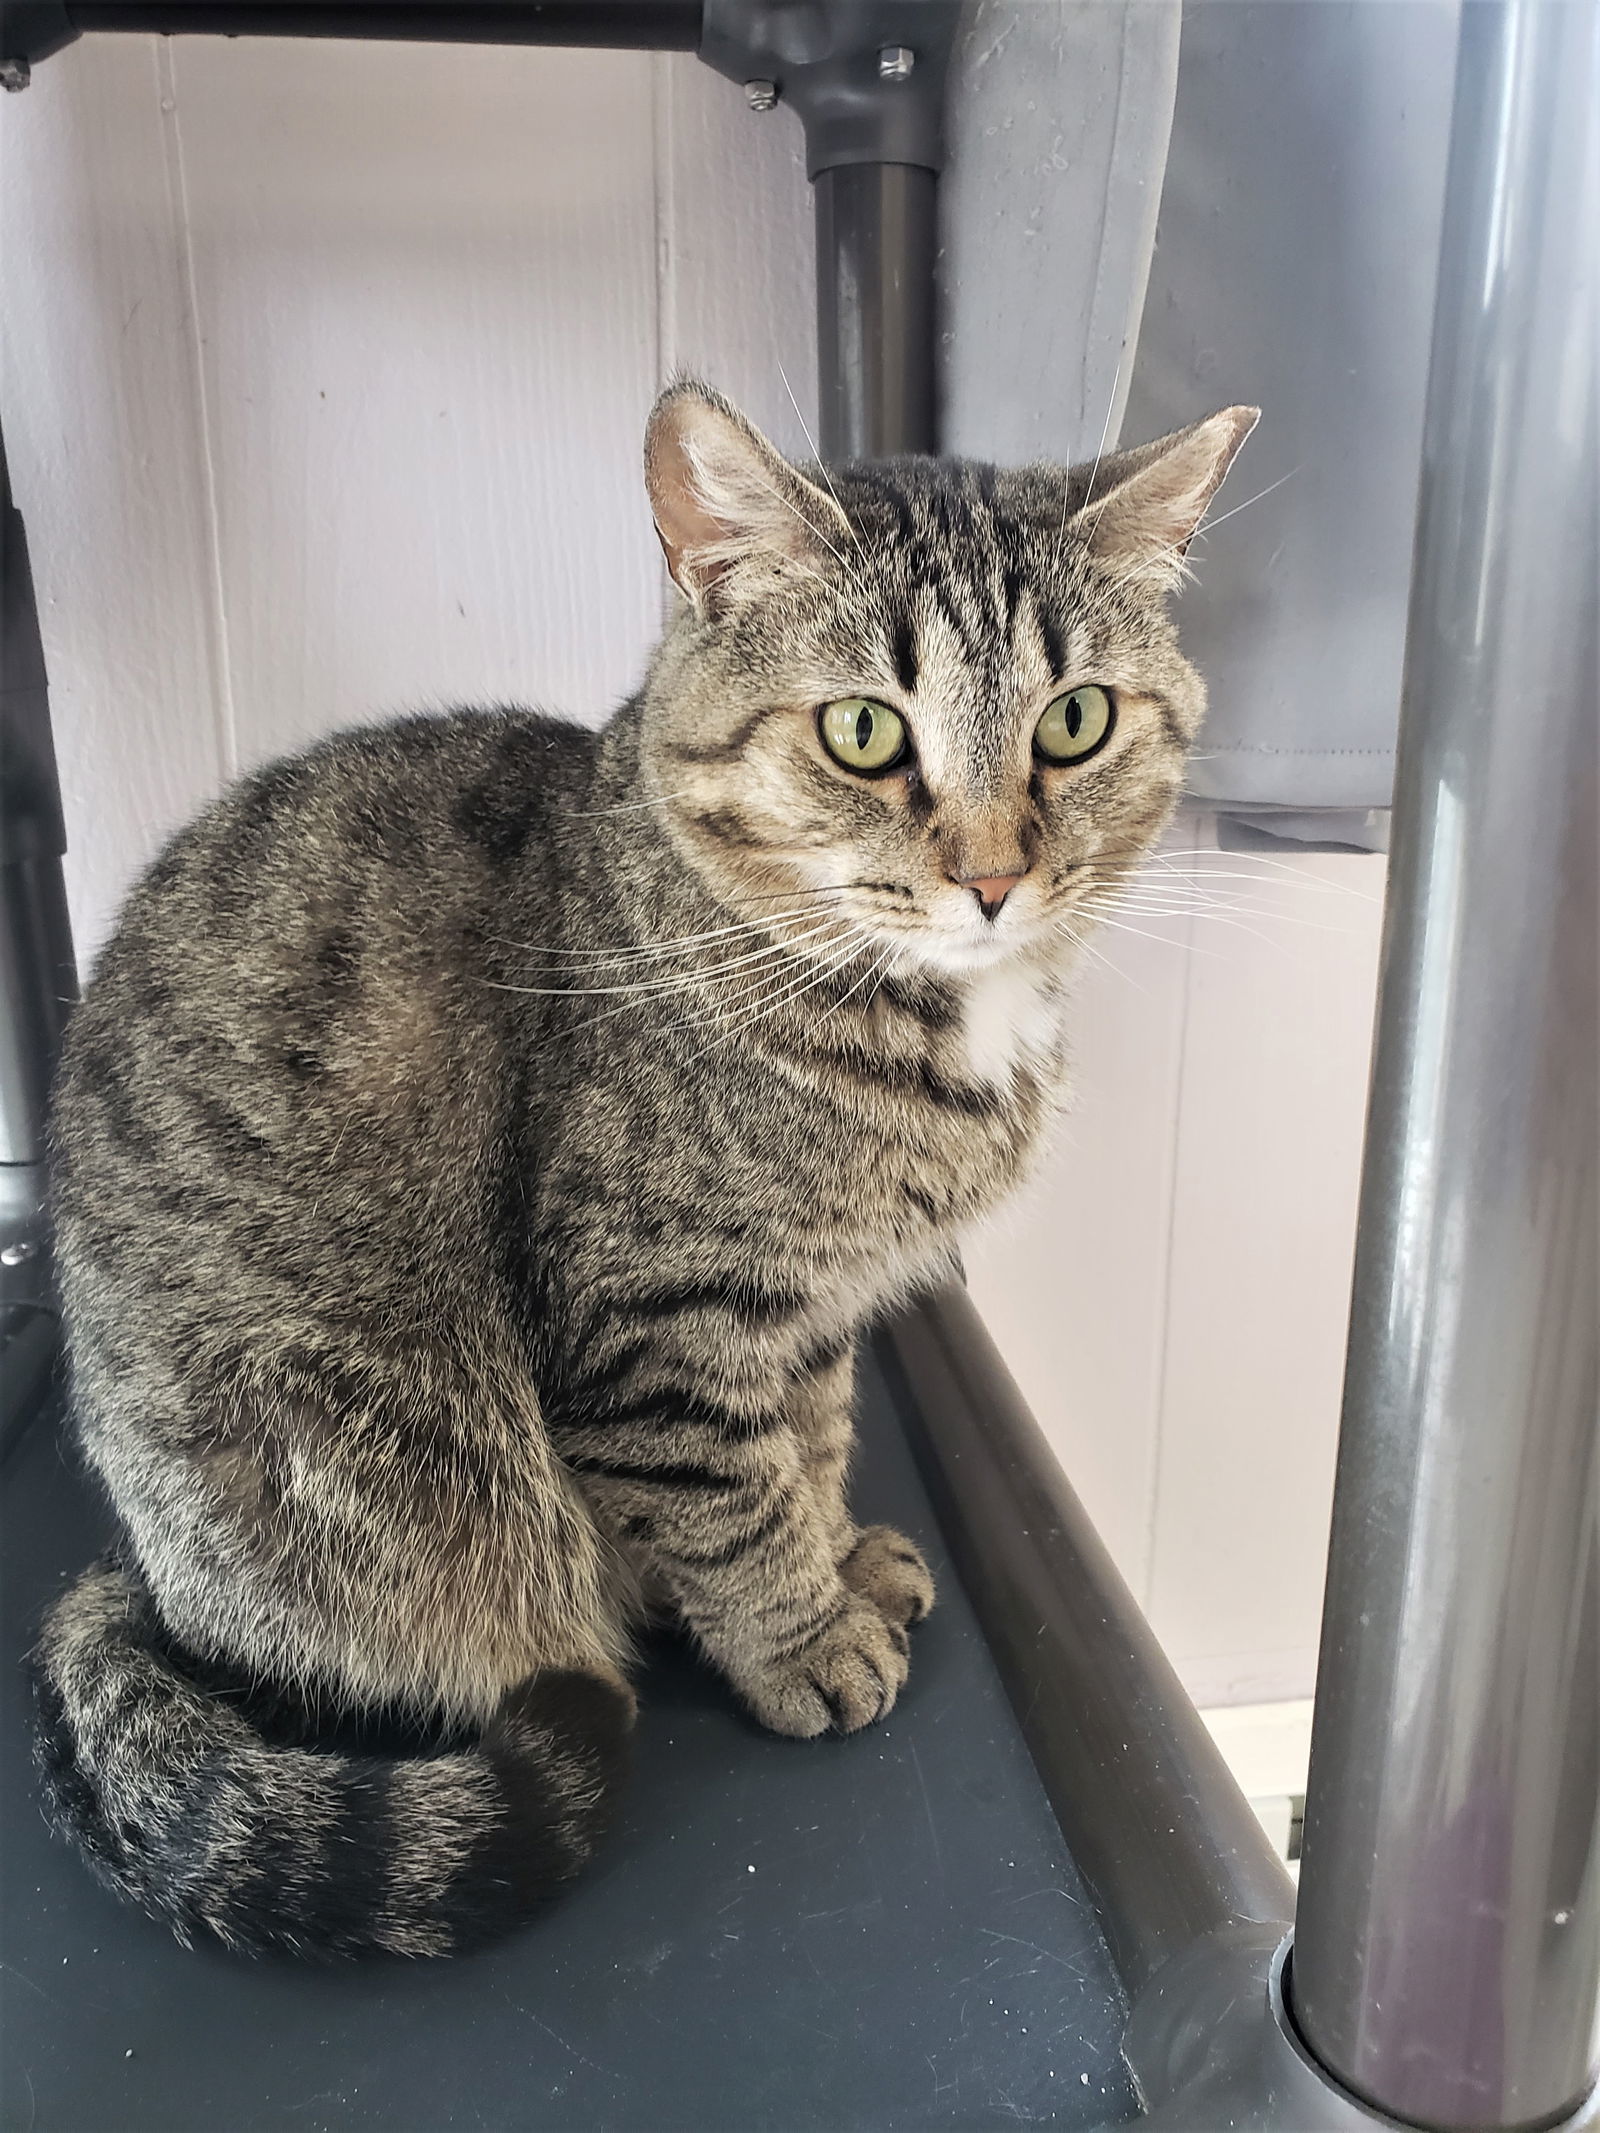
(887, 1569)
(847, 1676)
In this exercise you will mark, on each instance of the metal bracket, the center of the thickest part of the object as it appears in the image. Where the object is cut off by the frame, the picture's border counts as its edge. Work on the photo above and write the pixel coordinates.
(30, 30)
(865, 76)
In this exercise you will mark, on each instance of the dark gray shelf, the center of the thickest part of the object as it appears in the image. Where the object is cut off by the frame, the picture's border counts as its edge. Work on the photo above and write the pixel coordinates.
(879, 1932)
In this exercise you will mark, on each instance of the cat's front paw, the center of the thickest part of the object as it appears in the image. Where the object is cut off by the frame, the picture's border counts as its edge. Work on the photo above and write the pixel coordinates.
(849, 1674)
(887, 1569)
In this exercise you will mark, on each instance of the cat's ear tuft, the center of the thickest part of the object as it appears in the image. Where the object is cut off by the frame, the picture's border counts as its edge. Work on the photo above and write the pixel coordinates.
(723, 498)
(1143, 507)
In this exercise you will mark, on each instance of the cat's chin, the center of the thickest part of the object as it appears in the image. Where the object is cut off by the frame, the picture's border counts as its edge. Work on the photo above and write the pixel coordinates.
(966, 957)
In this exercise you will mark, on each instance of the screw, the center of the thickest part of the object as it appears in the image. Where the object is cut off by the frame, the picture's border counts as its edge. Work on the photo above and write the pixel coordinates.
(14, 74)
(761, 95)
(17, 1253)
(895, 62)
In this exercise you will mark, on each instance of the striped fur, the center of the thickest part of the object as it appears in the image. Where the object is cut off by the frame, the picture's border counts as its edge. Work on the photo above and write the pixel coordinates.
(482, 1142)
(221, 1816)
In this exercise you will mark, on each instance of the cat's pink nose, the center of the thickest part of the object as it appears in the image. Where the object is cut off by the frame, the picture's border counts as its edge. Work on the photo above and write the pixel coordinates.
(991, 890)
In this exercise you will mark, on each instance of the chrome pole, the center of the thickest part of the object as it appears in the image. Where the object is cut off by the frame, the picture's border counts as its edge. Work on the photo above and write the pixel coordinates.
(1447, 1957)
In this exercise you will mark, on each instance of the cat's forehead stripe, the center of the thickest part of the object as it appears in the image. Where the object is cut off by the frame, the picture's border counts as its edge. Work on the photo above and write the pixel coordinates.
(1050, 638)
(905, 650)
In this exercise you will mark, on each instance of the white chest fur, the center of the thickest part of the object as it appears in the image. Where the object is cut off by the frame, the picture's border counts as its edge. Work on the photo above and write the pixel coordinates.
(1010, 1019)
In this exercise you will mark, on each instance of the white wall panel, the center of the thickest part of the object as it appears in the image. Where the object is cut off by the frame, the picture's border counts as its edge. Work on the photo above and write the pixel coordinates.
(1171, 1292)
(107, 457)
(1277, 1045)
(1072, 1277)
(426, 283)
(738, 249)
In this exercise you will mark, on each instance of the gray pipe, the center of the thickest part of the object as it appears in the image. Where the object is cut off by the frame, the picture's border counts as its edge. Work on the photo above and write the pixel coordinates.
(1161, 1833)
(1447, 1957)
(877, 235)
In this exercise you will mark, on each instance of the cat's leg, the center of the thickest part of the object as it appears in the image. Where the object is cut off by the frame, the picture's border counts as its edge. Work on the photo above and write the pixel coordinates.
(385, 1521)
(821, 1404)
(879, 1562)
(737, 1512)
(334, 1533)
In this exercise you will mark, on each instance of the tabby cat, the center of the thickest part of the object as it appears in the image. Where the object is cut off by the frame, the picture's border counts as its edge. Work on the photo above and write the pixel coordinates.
(483, 1140)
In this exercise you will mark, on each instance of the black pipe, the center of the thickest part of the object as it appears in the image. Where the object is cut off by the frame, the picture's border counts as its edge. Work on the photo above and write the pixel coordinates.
(877, 233)
(1165, 1839)
(35, 28)
(38, 977)
(38, 981)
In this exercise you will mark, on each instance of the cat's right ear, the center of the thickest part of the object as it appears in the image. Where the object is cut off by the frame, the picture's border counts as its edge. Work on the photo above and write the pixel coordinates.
(1143, 507)
(723, 499)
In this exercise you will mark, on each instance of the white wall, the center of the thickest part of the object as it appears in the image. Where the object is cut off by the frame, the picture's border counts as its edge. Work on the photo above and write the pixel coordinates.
(1171, 1293)
(324, 372)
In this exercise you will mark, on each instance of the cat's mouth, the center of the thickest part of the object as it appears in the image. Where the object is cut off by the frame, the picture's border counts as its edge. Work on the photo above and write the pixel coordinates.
(950, 934)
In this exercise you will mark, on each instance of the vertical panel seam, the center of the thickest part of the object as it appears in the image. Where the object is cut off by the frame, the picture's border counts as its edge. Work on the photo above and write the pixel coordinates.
(220, 655)
(665, 202)
(663, 157)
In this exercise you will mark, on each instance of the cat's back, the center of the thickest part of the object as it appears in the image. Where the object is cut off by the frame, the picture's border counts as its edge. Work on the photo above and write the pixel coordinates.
(305, 961)
(380, 842)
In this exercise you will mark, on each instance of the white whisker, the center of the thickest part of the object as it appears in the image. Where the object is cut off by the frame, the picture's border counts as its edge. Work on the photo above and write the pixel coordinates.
(768, 1003)
(1238, 864)
(680, 944)
(1105, 432)
(1210, 525)
(1111, 914)
(853, 576)
(1095, 955)
(1221, 910)
(1119, 925)
(628, 807)
(780, 957)
(674, 983)
(805, 429)
(877, 968)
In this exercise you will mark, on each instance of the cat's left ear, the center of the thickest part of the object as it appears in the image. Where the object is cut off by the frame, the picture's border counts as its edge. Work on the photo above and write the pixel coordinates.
(723, 499)
(1143, 507)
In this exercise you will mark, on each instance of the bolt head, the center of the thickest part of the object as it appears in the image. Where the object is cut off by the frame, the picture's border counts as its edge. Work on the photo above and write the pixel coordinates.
(761, 95)
(14, 74)
(895, 62)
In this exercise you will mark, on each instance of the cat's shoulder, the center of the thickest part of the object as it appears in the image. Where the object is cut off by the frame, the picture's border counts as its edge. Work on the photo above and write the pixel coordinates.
(438, 754)
(490, 778)
(409, 817)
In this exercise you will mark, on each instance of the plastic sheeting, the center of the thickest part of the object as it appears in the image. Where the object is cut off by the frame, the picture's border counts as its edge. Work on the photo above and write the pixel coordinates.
(1294, 266)
(1296, 155)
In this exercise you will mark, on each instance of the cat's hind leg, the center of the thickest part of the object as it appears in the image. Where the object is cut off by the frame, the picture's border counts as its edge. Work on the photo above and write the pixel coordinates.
(338, 1530)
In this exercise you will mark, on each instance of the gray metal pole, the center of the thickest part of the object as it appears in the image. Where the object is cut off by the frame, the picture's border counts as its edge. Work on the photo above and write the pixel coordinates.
(1447, 1957)
(867, 80)
(877, 234)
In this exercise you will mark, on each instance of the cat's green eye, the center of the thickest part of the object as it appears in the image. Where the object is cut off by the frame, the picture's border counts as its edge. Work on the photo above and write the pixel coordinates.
(1075, 725)
(862, 735)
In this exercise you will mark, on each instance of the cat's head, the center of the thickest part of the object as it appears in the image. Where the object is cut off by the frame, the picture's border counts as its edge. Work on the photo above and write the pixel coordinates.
(938, 703)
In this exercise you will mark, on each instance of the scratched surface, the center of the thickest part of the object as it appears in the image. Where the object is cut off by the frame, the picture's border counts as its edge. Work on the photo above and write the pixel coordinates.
(875, 1933)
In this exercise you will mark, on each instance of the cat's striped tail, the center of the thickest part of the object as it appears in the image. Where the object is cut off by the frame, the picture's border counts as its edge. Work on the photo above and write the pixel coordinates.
(186, 1803)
